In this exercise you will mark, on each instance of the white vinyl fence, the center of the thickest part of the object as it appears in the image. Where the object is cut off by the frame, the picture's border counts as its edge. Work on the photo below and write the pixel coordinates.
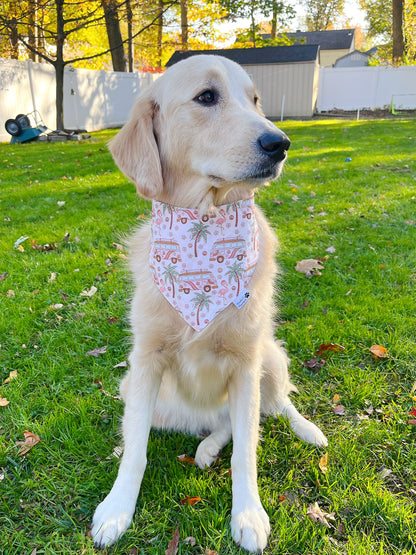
(92, 99)
(370, 88)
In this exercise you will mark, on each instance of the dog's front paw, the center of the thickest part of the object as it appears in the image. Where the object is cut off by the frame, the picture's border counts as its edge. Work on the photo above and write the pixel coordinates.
(250, 528)
(309, 432)
(207, 452)
(111, 519)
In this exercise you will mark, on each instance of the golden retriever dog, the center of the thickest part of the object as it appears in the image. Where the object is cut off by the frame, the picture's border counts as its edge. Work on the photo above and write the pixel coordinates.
(197, 139)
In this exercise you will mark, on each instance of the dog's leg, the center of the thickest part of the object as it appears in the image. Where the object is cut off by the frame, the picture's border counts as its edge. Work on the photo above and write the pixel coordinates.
(209, 447)
(113, 516)
(302, 428)
(275, 389)
(250, 526)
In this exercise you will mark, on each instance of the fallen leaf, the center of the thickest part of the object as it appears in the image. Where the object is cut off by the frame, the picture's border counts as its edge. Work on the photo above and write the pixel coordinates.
(3, 401)
(56, 306)
(276, 201)
(10, 293)
(52, 278)
(173, 544)
(190, 500)
(89, 292)
(305, 304)
(378, 351)
(96, 352)
(323, 464)
(60, 203)
(315, 513)
(339, 410)
(190, 540)
(210, 552)
(30, 441)
(118, 246)
(314, 363)
(12, 376)
(331, 249)
(121, 364)
(186, 459)
(336, 399)
(3, 276)
(329, 347)
(411, 413)
(310, 267)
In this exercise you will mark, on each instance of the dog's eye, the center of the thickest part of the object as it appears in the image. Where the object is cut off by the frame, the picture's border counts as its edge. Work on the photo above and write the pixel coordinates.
(207, 97)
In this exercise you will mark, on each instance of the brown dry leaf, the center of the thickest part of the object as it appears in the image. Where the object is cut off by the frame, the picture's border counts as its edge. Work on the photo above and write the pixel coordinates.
(173, 544)
(12, 376)
(30, 441)
(210, 552)
(315, 363)
(96, 352)
(378, 351)
(3, 276)
(89, 292)
(336, 399)
(315, 513)
(310, 267)
(329, 347)
(122, 364)
(186, 459)
(3, 401)
(323, 464)
(339, 410)
(190, 500)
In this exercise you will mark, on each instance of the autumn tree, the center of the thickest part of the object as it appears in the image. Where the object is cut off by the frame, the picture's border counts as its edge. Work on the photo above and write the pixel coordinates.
(321, 14)
(62, 20)
(393, 26)
(256, 10)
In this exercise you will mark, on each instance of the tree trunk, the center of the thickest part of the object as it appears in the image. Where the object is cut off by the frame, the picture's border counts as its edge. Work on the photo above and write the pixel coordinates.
(274, 21)
(184, 24)
(31, 31)
(130, 53)
(160, 34)
(114, 34)
(59, 64)
(398, 42)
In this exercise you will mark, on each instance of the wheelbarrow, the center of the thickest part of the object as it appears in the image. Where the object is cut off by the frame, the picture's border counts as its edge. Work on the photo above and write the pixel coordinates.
(25, 127)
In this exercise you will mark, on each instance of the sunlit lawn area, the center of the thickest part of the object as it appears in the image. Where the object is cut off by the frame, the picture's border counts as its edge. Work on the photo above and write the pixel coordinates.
(347, 197)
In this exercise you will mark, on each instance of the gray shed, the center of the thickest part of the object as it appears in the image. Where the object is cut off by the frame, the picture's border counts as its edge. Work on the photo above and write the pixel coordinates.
(286, 76)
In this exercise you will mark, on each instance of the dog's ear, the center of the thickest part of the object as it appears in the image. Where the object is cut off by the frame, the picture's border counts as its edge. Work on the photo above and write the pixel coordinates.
(135, 150)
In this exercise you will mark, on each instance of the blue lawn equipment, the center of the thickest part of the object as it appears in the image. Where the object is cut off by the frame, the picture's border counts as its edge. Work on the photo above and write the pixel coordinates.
(25, 127)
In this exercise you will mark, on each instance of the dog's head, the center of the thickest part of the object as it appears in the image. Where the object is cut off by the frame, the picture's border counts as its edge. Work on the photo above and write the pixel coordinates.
(199, 126)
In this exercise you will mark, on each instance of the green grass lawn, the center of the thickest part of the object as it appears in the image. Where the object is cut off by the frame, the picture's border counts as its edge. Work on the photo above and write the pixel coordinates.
(362, 210)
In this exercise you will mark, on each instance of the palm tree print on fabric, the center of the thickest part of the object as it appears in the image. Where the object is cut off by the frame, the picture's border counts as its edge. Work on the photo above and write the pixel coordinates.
(236, 207)
(235, 273)
(171, 210)
(201, 301)
(199, 231)
(170, 274)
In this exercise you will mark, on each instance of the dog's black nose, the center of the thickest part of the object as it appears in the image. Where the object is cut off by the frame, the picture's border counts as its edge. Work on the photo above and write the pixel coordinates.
(274, 145)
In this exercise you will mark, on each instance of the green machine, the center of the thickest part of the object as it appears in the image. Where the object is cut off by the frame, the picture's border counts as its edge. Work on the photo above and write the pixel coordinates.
(25, 127)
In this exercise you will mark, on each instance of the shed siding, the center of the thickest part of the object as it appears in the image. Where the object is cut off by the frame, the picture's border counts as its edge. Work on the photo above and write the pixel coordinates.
(297, 82)
(329, 57)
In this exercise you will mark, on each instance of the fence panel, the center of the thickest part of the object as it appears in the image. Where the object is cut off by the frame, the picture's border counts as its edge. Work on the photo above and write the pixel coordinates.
(368, 88)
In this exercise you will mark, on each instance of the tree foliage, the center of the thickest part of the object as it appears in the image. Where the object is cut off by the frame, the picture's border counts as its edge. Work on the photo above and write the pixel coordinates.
(322, 14)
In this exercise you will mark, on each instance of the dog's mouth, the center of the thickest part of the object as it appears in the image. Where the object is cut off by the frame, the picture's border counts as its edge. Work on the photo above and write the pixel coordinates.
(255, 175)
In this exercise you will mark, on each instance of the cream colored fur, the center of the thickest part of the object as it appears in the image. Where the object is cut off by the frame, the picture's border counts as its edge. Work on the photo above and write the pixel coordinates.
(221, 379)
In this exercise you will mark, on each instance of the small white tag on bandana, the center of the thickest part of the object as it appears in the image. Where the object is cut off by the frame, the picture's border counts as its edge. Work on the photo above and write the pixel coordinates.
(201, 262)
(242, 298)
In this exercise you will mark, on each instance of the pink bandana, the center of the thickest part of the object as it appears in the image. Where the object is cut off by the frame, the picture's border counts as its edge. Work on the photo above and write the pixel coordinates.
(201, 263)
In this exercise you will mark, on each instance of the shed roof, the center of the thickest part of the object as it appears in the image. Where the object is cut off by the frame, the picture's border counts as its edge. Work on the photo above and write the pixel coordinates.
(266, 55)
(339, 39)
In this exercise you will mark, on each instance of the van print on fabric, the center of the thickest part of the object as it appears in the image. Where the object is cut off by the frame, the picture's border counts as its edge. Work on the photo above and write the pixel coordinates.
(202, 262)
